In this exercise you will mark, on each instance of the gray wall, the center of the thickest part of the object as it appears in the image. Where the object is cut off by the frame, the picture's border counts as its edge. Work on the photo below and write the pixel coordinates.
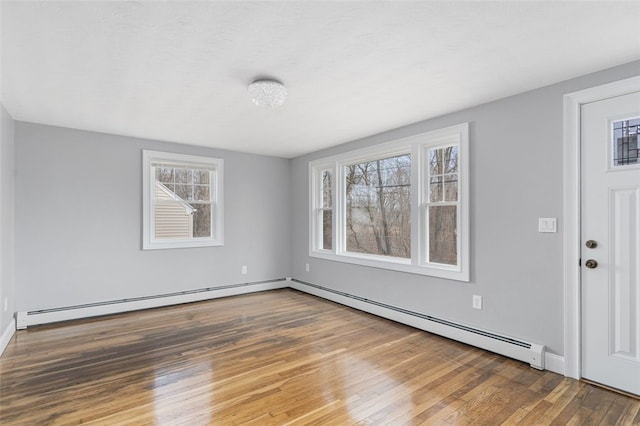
(78, 205)
(78, 220)
(516, 149)
(7, 289)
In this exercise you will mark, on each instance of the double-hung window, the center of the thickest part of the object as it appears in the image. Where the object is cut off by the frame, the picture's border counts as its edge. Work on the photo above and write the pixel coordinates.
(402, 205)
(182, 204)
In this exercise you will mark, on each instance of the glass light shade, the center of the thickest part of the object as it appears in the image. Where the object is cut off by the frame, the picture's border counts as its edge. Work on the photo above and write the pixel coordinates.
(267, 93)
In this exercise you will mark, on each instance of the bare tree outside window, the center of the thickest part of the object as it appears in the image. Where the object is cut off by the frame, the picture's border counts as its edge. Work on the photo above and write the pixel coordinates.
(443, 209)
(327, 210)
(378, 207)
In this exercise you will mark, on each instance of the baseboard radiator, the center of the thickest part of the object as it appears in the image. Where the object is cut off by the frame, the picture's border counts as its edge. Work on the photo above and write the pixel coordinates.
(45, 316)
(531, 353)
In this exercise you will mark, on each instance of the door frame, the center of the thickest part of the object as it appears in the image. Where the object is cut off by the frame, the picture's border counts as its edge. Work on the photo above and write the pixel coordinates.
(571, 214)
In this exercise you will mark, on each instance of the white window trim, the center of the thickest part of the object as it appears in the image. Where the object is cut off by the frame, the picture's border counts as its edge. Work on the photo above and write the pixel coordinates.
(217, 212)
(418, 146)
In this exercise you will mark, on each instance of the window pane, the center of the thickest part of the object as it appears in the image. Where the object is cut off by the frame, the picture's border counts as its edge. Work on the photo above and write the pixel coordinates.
(201, 176)
(164, 174)
(171, 195)
(327, 229)
(201, 193)
(443, 178)
(435, 189)
(451, 188)
(435, 161)
(182, 176)
(172, 220)
(202, 220)
(327, 195)
(378, 207)
(443, 235)
(183, 191)
(450, 155)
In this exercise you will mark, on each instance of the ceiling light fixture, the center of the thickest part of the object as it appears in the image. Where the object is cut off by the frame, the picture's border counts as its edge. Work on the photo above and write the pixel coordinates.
(267, 92)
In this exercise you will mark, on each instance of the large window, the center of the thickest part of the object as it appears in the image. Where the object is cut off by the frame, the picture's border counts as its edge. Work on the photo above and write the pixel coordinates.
(182, 204)
(401, 205)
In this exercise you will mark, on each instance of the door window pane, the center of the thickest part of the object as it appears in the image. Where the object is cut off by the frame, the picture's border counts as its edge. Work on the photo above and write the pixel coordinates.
(625, 142)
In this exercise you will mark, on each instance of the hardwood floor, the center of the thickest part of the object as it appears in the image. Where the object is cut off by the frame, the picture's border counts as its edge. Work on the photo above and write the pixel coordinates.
(278, 357)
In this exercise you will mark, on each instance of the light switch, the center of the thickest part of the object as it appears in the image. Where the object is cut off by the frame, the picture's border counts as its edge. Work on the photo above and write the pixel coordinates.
(547, 224)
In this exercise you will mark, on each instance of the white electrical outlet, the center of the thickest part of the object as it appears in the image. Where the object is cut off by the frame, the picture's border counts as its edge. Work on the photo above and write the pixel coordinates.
(307, 267)
(477, 302)
(244, 270)
(6, 304)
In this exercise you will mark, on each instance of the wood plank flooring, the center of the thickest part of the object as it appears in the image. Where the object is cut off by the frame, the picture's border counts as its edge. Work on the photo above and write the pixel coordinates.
(278, 357)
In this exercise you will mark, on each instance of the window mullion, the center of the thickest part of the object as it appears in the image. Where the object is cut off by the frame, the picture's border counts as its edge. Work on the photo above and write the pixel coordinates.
(416, 200)
(319, 234)
(338, 208)
(319, 188)
(316, 222)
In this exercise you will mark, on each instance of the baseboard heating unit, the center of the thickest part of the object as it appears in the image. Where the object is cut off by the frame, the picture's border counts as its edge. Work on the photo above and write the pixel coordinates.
(45, 316)
(531, 353)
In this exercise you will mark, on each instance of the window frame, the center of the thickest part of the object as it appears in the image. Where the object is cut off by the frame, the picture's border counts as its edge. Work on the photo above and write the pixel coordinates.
(216, 165)
(418, 146)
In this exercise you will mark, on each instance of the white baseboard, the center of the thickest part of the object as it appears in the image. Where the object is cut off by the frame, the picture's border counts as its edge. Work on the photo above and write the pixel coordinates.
(536, 356)
(7, 335)
(531, 353)
(26, 319)
(553, 362)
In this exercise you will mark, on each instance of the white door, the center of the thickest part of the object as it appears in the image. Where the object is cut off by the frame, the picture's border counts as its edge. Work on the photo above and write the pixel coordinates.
(610, 235)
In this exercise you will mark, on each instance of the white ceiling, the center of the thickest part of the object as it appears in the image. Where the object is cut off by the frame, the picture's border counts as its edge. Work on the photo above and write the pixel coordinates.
(179, 71)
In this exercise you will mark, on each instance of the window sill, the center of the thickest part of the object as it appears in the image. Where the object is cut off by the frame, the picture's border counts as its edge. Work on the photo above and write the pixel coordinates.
(180, 244)
(394, 264)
